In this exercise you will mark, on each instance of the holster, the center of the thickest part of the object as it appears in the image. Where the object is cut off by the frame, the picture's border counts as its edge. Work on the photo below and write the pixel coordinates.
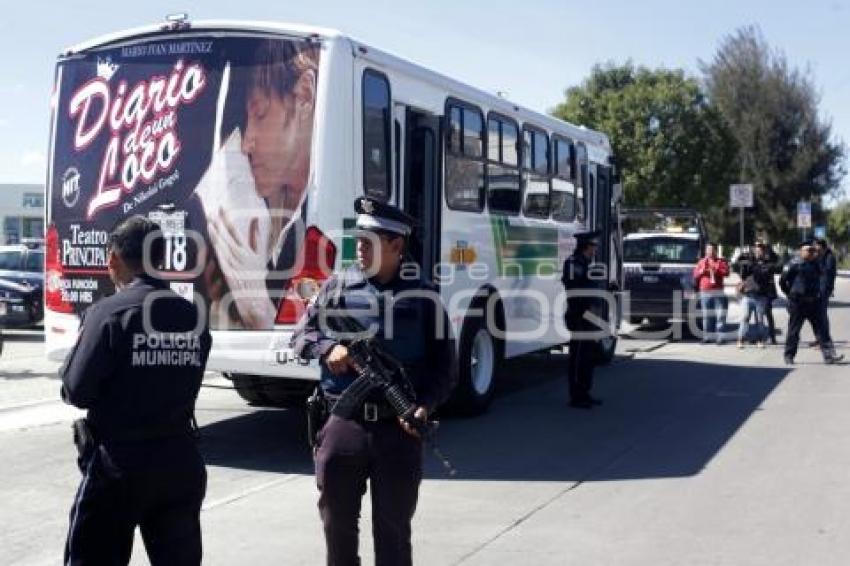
(317, 415)
(84, 439)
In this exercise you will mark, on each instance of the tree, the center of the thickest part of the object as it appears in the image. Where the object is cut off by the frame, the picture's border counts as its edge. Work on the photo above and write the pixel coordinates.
(672, 147)
(838, 225)
(785, 149)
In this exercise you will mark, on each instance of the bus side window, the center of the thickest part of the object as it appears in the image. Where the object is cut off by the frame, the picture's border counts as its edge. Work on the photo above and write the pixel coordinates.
(465, 157)
(582, 186)
(535, 173)
(376, 135)
(503, 190)
(563, 181)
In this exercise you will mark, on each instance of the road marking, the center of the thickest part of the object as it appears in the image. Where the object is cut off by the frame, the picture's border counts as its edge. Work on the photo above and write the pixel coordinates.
(40, 413)
(247, 492)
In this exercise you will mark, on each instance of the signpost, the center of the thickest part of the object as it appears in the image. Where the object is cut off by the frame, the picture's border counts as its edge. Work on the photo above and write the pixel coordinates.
(820, 232)
(741, 197)
(804, 216)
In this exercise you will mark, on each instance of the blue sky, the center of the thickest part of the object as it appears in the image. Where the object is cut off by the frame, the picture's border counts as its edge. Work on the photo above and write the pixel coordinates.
(532, 50)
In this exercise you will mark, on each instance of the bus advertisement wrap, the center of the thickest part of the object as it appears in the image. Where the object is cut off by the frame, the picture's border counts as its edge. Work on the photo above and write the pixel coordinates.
(210, 136)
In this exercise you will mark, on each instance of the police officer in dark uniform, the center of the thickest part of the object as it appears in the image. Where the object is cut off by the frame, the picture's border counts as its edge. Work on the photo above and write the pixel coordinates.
(829, 271)
(376, 446)
(578, 276)
(137, 367)
(801, 281)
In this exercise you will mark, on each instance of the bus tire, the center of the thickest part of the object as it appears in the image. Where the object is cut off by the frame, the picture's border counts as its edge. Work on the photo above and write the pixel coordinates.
(261, 391)
(477, 364)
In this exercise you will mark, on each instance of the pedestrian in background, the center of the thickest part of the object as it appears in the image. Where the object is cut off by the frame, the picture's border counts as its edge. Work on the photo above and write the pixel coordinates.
(709, 274)
(829, 271)
(802, 283)
(776, 265)
(756, 287)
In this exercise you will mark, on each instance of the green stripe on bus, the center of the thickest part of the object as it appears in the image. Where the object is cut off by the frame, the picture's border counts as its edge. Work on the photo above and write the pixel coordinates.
(524, 250)
(349, 244)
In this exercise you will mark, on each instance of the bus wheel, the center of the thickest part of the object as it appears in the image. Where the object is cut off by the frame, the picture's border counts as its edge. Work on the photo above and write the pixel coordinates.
(479, 356)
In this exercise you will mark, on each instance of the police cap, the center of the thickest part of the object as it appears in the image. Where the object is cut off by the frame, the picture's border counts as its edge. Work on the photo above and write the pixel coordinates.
(588, 238)
(376, 216)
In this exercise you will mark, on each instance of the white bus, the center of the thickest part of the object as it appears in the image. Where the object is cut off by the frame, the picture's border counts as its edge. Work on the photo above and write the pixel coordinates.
(250, 141)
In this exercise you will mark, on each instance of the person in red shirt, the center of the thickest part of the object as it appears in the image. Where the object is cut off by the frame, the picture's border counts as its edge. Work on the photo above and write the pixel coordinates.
(708, 280)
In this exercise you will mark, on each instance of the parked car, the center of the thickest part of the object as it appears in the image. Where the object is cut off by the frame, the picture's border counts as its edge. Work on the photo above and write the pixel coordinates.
(21, 284)
(658, 274)
(21, 304)
(23, 263)
(660, 249)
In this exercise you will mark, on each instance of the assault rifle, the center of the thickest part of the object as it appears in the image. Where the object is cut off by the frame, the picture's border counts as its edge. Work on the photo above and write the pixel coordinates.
(378, 371)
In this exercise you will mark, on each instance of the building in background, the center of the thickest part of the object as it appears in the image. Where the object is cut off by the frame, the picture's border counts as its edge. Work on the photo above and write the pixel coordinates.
(21, 212)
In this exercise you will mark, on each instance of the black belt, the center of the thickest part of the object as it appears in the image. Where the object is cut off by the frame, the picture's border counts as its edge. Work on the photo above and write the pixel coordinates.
(189, 428)
(372, 411)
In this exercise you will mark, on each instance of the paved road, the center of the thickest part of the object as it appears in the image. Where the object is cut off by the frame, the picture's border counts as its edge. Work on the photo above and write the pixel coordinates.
(701, 455)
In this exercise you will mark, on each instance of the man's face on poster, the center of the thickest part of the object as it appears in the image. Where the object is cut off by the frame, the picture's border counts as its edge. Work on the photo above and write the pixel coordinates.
(277, 140)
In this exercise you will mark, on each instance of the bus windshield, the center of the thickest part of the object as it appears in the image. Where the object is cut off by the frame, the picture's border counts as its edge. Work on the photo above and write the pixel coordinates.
(661, 249)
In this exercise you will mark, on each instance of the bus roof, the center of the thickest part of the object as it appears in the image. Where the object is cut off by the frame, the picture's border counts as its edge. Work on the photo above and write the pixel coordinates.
(598, 144)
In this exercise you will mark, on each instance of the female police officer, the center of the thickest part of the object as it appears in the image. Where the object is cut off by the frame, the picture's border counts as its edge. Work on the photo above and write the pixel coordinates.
(410, 324)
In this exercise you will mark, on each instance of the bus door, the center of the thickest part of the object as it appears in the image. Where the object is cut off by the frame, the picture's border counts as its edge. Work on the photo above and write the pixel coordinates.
(422, 187)
(602, 212)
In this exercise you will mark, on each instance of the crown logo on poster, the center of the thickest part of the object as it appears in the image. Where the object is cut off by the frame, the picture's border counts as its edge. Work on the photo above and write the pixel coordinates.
(106, 68)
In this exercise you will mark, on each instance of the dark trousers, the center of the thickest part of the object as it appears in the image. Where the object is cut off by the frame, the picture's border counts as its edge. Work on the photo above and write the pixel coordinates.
(348, 454)
(800, 311)
(580, 369)
(161, 492)
(768, 315)
(824, 317)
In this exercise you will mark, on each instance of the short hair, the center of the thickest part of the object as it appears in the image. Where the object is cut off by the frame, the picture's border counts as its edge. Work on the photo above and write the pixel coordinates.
(821, 242)
(584, 244)
(128, 238)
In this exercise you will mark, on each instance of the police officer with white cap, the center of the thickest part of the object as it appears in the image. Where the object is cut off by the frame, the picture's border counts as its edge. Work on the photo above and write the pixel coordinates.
(376, 446)
(137, 368)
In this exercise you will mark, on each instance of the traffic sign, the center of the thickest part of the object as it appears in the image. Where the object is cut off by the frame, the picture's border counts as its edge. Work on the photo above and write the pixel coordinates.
(804, 214)
(741, 195)
(820, 232)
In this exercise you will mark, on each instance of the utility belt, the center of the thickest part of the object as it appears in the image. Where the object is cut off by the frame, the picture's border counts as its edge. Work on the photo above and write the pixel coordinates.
(87, 436)
(320, 404)
(372, 412)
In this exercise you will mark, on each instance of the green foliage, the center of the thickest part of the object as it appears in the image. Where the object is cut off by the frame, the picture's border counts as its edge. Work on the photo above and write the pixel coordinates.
(785, 149)
(682, 142)
(838, 224)
(671, 145)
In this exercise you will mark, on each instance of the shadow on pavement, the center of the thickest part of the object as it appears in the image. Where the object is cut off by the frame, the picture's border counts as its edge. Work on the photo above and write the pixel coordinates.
(661, 419)
(271, 440)
(22, 335)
